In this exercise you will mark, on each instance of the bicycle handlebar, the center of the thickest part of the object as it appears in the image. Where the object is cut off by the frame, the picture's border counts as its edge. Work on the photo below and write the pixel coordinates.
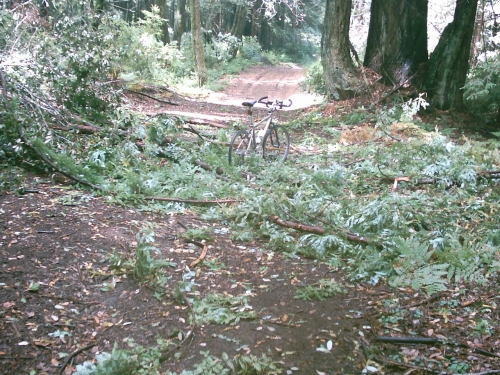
(277, 103)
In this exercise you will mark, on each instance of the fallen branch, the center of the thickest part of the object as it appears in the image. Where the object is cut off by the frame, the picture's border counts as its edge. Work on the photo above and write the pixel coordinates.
(207, 167)
(27, 142)
(190, 119)
(203, 252)
(192, 201)
(318, 230)
(152, 97)
(72, 355)
(407, 340)
(297, 226)
(427, 300)
(431, 341)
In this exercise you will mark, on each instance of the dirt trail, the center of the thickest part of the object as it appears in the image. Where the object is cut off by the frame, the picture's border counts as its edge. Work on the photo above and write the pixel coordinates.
(277, 82)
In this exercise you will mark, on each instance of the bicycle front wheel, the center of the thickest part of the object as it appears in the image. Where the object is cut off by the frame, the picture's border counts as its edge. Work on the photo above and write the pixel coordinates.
(276, 143)
(239, 147)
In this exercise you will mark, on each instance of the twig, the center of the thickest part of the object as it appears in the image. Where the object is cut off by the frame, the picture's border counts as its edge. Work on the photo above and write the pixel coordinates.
(203, 252)
(72, 355)
(164, 357)
(407, 340)
(427, 300)
(396, 88)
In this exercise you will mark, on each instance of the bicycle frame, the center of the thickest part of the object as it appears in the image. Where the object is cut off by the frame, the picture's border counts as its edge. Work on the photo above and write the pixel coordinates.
(267, 119)
(252, 142)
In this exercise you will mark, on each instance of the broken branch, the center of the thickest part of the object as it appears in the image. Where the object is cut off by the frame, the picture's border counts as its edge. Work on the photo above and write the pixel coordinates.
(192, 201)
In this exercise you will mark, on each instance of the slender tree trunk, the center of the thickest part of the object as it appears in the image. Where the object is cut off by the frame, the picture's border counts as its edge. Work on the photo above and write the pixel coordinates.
(397, 38)
(165, 37)
(341, 77)
(180, 20)
(478, 34)
(199, 54)
(240, 20)
(449, 63)
(256, 18)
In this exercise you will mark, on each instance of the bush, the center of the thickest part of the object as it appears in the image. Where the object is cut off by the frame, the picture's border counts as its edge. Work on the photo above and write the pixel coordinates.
(315, 81)
(482, 90)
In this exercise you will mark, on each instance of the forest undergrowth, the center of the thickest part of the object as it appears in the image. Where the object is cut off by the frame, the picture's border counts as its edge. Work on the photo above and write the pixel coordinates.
(375, 193)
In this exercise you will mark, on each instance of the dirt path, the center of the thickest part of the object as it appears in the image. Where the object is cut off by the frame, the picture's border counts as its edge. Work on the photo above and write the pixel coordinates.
(277, 82)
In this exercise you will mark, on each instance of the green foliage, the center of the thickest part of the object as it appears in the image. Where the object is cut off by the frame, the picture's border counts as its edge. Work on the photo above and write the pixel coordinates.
(145, 264)
(140, 54)
(315, 81)
(250, 49)
(323, 289)
(137, 360)
(414, 270)
(247, 364)
(198, 234)
(482, 90)
(222, 309)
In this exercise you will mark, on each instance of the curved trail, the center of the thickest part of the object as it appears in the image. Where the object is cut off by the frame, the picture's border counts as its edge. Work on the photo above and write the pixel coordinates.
(277, 82)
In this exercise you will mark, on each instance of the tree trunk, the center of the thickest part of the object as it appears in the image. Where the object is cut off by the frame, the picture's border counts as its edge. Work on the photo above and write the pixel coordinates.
(397, 39)
(199, 54)
(165, 37)
(449, 63)
(180, 20)
(256, 18)
(240, 20)
(476, 47)
(341, 77)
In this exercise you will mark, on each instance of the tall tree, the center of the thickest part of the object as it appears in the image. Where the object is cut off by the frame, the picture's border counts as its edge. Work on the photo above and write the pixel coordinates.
(240, 19)
(165, 37)
(397, 38)
(449, 63)
(180, 20)
(341, 77)
(199, 54)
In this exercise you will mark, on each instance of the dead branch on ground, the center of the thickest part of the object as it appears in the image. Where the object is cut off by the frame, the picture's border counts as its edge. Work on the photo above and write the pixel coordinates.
(152, 97)
(192, 201)
(318, 230)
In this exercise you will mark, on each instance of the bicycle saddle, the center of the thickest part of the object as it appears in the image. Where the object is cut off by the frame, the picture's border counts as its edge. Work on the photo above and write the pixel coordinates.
(249, 104)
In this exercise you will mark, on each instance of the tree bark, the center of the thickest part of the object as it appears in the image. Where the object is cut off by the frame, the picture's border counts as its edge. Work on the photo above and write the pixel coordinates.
(165, 37)
(478, 34)
(341, 77)
(180, 20)
(397, 39)
(448, 65)
(199, 54)
(240, 20)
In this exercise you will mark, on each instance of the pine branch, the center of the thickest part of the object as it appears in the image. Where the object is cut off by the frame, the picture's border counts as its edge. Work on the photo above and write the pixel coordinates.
(28, 143)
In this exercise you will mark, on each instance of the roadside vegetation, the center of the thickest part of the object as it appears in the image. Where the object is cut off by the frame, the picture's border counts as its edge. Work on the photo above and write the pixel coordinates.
(385, 193)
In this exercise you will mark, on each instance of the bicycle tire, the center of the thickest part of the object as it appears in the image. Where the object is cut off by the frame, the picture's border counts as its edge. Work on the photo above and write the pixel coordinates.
(276, 143)
(239, 147)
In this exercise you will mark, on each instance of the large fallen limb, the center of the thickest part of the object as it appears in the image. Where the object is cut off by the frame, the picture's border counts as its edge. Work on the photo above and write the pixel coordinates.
(318, 230)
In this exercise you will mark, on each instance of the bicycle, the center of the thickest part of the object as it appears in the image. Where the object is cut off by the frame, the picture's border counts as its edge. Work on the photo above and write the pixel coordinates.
(272, 141)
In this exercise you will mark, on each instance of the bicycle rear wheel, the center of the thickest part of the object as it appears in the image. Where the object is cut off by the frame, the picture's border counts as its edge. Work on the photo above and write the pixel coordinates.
(239, 148)
(276, 143)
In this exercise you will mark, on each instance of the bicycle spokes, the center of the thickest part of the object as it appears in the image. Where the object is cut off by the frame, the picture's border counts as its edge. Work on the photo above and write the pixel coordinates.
(276, 143)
